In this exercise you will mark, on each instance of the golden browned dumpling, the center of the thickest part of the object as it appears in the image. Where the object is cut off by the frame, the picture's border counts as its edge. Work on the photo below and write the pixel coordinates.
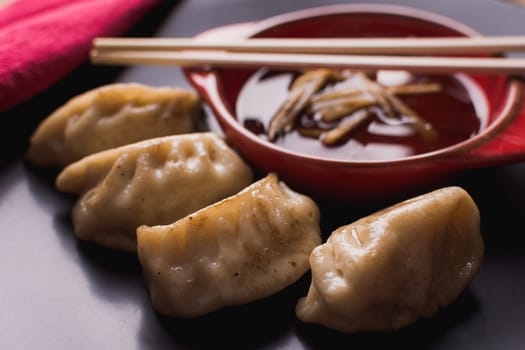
(111, 116)
(155, 181)
(241, 249)
(391, 268)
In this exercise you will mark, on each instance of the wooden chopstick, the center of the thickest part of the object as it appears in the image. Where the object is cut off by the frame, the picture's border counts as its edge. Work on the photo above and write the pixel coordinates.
(425, 64)
(361, 46)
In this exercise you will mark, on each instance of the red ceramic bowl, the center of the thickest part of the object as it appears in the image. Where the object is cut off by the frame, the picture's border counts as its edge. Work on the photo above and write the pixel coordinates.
(501, 141)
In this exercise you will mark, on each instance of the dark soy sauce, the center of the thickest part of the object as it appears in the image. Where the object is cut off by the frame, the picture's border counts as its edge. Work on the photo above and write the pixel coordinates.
(458, 111)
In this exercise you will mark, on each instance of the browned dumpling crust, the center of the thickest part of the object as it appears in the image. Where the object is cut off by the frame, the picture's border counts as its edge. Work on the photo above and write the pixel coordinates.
(151, 182)
(389, 269)
(110, 116)
(241, 249)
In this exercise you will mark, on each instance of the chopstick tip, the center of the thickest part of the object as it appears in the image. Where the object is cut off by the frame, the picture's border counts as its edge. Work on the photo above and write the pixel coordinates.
(93, 55)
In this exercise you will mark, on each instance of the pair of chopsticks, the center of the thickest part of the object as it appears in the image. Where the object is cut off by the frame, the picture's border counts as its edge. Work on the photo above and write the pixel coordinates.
(412, 54)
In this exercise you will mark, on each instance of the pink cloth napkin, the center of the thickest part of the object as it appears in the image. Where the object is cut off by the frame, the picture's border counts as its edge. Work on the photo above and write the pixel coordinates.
(42, 40)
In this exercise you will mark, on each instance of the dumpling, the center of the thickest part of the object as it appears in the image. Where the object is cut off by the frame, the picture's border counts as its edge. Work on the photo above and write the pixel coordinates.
(110, 116)
(155, 181)
(243, 248)
(393, 267)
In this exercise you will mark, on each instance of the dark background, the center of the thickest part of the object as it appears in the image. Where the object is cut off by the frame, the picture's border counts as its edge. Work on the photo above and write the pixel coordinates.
(59, 293)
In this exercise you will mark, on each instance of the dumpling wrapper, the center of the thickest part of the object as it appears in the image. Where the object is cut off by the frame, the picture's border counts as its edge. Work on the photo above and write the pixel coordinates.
(151, 182)
(110, 116)
(241, 249)
(393, 267)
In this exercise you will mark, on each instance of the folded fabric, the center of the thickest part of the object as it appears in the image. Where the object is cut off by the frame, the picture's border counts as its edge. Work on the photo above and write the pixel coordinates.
(43, 40)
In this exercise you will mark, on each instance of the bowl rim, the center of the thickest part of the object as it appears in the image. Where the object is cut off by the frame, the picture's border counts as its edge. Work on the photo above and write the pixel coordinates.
(510, 107)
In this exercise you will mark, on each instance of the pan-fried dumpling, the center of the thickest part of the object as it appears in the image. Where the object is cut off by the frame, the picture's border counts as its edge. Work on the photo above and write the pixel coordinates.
(243, 248)
(155, 181)
(400, 264)
(110, 116)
